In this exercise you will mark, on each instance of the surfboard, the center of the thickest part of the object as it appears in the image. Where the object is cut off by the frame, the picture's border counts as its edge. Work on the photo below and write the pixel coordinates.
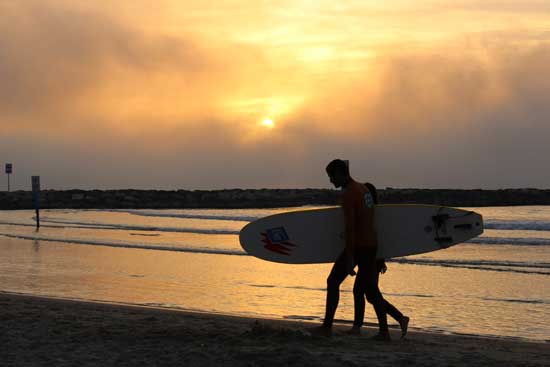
(317, 235)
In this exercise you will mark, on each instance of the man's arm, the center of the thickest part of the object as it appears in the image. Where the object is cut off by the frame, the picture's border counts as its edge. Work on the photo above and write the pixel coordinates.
(349, 207)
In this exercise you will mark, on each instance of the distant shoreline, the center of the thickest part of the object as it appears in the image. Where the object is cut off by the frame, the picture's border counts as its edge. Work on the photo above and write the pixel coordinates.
(260, 198)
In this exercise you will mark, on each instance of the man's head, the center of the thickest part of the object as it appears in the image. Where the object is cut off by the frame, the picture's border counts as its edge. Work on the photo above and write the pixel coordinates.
(338, 172)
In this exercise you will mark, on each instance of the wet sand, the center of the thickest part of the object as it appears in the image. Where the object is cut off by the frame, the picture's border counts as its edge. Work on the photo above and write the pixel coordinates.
(37, 331)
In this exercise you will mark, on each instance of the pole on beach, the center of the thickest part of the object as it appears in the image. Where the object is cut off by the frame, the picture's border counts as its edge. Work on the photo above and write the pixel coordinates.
(35, 191)
(9, 169)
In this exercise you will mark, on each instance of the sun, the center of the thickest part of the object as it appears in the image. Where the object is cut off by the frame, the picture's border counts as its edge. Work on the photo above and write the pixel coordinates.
(268, 123)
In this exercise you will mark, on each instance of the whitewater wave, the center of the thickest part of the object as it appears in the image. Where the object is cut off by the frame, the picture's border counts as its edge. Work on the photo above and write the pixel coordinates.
(62, 223)
(510, 300)
(542, 268)
(318, 289)
(517, 241)
(527, 225)
(412, 295)
(143, 213)
(511, 264)
(489, 223)
(78, 241)
(123, 227)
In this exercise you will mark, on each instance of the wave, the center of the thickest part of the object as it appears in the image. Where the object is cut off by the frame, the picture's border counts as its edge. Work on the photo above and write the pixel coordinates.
(542, 268)
(529, 301)
(142, 213)
(525, 301)
(127, 227)
(41, 225)
(495, 224)
(77, 241)
(413, 295)
(124, 227)
(528, 225)
(518, 241)
(519, 264)
(318, 289)
(499, 266)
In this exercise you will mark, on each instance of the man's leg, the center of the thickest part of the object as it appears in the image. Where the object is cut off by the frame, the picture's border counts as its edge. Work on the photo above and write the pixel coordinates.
(335, 278)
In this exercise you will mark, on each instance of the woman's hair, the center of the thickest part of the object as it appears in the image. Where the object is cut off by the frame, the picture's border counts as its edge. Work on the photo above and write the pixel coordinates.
(380, 263)
(373, 192)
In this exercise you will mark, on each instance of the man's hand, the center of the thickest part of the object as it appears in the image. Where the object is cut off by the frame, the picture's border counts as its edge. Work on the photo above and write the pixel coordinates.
(381, 265)
(350, 265)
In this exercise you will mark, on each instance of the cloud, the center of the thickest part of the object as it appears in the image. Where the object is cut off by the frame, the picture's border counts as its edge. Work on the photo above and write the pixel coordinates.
(61, 65)
(464, 119)
(90, 100)
(507, 6)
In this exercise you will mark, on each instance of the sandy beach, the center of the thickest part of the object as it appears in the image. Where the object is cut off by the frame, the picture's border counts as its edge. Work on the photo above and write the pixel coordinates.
(179, 179)
(39, 331)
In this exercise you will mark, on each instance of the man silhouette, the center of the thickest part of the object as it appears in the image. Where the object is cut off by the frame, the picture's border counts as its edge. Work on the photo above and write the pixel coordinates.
(360, 248)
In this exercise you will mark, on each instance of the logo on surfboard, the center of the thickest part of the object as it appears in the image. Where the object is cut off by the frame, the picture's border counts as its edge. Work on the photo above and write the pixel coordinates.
(277, 240)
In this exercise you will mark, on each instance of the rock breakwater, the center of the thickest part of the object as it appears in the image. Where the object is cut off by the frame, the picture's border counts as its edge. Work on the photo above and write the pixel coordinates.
(260, 198)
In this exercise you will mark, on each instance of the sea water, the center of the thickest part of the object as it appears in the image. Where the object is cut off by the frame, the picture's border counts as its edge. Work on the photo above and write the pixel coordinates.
(496, 284)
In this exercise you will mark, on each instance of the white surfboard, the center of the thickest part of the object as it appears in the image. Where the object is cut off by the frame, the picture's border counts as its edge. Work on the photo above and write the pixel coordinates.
(317, 235)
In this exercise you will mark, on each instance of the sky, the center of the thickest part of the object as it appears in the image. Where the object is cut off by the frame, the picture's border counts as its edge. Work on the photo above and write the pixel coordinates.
(178, 94)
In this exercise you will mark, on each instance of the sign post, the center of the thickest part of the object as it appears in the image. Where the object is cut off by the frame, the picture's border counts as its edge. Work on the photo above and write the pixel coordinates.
(9, 169)
(35, 192)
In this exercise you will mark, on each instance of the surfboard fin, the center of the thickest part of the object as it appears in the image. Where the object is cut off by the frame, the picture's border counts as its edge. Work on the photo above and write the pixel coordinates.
(440, 221)
(444, 239)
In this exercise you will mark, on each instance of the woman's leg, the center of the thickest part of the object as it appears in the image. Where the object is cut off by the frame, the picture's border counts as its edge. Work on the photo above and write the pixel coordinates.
(372, 291)
(393, 311)
(358, 298)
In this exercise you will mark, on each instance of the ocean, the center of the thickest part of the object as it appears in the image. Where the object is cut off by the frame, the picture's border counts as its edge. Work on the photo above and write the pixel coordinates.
(496, 285)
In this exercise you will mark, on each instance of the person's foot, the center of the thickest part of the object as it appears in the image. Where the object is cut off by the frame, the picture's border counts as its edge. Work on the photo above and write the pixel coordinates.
(404, 323)
(321, 330)
(382, 337)
(355, 330)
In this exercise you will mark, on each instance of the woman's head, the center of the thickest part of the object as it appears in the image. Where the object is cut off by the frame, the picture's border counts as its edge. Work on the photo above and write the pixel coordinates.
(373, 192)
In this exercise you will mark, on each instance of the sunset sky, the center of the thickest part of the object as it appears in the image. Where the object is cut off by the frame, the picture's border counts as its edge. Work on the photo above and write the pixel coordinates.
(223, 94)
